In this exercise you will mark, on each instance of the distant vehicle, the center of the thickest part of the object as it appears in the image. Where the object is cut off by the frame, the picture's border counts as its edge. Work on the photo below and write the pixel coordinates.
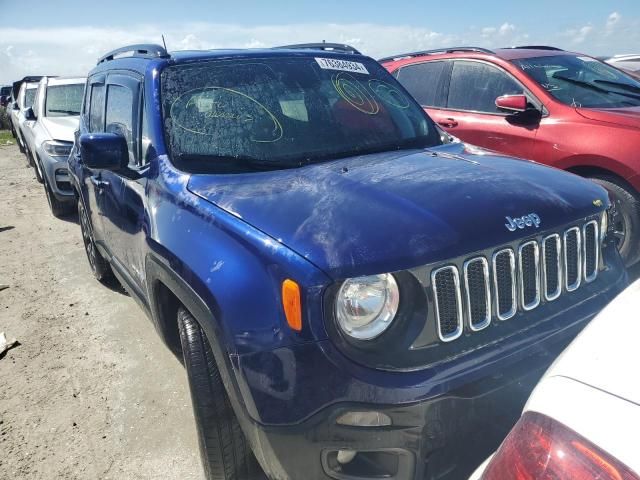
(628, 63)
(583, 418)
(24, 92)
(49, 139)
(352, 297)
(5, 93)
(559, 108)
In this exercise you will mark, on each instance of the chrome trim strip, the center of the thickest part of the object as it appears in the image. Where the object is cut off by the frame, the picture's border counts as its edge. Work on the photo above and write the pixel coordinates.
(536, 255)
(456, 279)
(576, 284)
(596, 243)
(487, 289)
(545, 277)
(514, 306)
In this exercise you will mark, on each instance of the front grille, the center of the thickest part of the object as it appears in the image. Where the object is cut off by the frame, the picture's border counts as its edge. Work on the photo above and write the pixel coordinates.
(591, 251)
(448, 302)
(515, 279)
(529, 270)
(572, 259)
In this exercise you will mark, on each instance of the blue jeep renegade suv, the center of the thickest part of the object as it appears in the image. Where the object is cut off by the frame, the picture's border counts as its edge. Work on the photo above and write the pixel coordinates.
(353, 297)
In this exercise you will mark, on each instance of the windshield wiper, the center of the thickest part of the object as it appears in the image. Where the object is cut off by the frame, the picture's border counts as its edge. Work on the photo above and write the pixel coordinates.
(626, 86)
(68, 112)
(230, 163)
(595, 87)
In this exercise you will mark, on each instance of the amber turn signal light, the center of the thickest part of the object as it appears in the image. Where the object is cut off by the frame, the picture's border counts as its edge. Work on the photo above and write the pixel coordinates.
(292, 304)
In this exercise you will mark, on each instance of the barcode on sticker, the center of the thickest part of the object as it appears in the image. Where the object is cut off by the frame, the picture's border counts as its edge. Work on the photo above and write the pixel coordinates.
(342, 65)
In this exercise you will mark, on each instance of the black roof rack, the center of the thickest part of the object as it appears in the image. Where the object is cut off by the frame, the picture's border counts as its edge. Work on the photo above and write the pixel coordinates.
(436, 51)
(537, 47)
(149, 50)
(335, 47)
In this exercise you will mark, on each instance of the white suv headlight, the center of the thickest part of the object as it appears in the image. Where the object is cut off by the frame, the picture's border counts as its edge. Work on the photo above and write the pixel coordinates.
(57, 149)
(366, 306)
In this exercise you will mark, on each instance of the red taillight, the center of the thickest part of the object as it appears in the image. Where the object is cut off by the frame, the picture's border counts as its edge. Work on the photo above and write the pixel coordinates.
(540, 448)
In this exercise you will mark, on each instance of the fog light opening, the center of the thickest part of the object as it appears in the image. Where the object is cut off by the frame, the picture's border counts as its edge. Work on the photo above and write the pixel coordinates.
(346, 456)
(364, 419)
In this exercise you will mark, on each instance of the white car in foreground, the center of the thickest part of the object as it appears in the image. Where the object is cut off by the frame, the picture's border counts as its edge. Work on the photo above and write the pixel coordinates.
(582, 421)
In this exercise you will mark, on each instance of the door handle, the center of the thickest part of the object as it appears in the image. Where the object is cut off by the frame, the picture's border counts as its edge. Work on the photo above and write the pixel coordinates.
(99, 184)
(448, 123)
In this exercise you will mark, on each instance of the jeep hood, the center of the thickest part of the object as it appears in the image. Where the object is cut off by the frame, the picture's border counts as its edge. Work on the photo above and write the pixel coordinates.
(395, 210)
(61, 128)
(628, 117)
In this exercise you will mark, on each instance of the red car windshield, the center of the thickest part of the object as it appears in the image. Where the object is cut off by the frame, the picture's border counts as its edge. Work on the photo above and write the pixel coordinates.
(582, 81)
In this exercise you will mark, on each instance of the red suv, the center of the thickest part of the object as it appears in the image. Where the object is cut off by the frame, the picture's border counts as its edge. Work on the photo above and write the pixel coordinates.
(563, 109)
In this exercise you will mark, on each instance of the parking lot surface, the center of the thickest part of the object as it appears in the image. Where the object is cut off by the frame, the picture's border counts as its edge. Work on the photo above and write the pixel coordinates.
(90, 392)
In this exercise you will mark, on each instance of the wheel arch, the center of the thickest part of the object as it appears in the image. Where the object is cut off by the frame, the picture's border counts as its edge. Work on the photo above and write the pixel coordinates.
(597, 171)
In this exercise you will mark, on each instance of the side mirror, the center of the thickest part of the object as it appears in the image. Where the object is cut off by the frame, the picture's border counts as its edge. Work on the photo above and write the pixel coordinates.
(15, 106)
(29, 115)
(104, 151)
(512, 103)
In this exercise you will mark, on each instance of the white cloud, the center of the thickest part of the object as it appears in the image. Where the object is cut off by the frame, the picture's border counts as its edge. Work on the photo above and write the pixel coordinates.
(74, 50)
(613, 19)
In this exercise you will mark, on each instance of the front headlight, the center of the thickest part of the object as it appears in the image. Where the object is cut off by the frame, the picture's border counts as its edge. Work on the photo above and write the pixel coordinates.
(57, 149)
(366, 306)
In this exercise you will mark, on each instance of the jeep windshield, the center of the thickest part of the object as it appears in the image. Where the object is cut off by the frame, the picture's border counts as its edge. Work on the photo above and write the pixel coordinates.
(282, 112)
(582, 81)
(64, 100)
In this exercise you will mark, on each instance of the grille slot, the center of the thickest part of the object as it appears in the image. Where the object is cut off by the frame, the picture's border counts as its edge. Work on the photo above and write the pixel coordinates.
(572, 259)
(448, 302)
(552, 267)
(478, 290)
(591, 251)
(504, 283)
(529, 270)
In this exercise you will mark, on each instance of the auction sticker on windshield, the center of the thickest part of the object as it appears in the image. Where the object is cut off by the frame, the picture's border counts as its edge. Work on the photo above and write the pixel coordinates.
(342, 65)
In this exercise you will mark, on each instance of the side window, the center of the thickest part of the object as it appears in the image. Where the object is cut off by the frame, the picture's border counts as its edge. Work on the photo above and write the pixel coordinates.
(425, 81)
(119, 118)
(96, 114)
(475, 86)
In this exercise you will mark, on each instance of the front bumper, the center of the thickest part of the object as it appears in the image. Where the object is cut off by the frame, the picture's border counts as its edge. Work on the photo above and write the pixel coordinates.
(446, 419)
(56, 170)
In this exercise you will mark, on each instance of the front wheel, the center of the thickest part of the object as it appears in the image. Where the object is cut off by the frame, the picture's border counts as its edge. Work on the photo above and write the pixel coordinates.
(99, 266)
(225, 452)
(625, 218)
(58, 208)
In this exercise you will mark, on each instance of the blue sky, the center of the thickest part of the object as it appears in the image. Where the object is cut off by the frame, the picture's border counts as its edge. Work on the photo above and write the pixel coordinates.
(66, 36)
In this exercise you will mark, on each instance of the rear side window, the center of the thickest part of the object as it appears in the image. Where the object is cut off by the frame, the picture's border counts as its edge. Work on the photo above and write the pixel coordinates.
(475, 86)
(96, 113)
(119, 118)
(425, 81)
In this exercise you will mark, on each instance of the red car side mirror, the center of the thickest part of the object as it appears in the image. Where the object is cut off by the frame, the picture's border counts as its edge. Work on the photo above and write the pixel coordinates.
(512, 103)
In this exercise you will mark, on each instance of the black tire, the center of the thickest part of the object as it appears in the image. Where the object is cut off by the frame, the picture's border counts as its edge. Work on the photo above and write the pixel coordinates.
(99, 266)
(625, 217)
(58, 208)
(225, 452)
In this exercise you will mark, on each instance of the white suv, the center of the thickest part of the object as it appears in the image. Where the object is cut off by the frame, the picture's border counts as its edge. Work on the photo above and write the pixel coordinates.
(49, 139)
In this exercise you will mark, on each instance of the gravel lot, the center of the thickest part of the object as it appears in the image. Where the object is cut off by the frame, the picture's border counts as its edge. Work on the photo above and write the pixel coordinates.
(90, 392)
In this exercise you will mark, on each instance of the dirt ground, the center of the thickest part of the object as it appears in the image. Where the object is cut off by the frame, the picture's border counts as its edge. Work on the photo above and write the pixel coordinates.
(90, 392)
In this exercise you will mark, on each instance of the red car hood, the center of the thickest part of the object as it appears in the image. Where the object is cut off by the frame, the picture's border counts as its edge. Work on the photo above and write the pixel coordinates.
(628, 117)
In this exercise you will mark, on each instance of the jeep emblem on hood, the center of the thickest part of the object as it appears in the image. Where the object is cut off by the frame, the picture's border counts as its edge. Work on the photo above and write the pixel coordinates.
(521, 222)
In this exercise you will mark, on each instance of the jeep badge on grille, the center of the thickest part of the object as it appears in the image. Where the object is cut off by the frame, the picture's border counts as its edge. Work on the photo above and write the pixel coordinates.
(521, 222)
